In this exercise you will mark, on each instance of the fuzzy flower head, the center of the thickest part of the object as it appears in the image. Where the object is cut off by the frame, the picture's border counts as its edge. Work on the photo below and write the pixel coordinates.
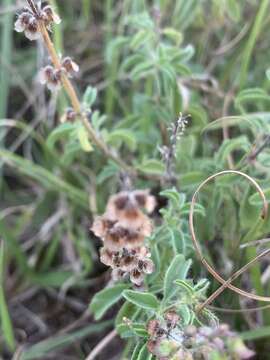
(49, 16)
(123, 229)
(51, 77)
(170, 340)
(70, 66)
(28, 21)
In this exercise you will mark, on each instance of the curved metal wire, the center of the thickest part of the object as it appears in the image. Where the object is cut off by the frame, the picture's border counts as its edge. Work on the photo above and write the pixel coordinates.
(227, 283)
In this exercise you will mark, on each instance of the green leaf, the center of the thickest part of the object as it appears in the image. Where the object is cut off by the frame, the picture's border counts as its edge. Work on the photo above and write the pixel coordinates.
(234, 10)
(230, 145)
(251, 95)
(136, 351)
(104, 299)
(185, 286)
(182, 69)
(59, 133)
(122, 136)
(248, 212)
(140, 38)
(51, 278)
(141, 70)
(107, 171)
(185, 314)
(174, 35)
(89, 97)
(256, 121)
(114, 47)
(128, 331)
(97, 120)
(144, 300)
(192, 178)
(129, 311)
(178, 269)
(130, 62)
(178, 241)
(178, 199)
(256, 200)
(5, 320)
(143, 354)
(255, 334)
(6, 42)
(186, 53)
(83, 139)
(139, 329)
(152, 166)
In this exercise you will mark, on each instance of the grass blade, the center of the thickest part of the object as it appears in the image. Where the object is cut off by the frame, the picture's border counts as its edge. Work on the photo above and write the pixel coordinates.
(45, 177)
(6, 324)
(5, 58)
(41, 349)
(252, 41)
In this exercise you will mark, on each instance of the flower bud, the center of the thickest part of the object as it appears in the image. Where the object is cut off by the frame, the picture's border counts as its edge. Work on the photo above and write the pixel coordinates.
(51, 77)
(152, 327)
(49, 16)
(70, 66)
(28, 24)
(190, 330)
(172, 319)
(136, 276)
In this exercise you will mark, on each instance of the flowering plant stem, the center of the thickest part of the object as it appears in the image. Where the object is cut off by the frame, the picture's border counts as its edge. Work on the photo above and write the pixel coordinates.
(74, 98)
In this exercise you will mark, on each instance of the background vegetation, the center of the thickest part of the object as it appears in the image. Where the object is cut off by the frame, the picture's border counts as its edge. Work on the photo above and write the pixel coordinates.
(141, 63)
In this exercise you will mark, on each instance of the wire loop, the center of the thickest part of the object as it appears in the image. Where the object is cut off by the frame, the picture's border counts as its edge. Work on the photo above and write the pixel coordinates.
(227, 283)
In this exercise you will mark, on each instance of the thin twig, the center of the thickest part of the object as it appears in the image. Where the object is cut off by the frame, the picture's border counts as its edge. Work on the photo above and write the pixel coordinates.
(231, 279)
(255, 242)
(254, 154)
(33, 7)
(101, 345)
(231, 44)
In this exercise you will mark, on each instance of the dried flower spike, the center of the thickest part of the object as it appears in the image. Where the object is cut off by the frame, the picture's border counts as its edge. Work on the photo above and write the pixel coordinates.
(123, 229)
(168, 340)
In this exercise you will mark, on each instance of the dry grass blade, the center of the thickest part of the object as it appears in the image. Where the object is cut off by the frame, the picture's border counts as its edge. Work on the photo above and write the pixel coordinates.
(101, 345)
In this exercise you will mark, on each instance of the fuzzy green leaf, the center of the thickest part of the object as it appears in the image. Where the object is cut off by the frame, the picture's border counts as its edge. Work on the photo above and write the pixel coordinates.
(146, 301)
(104, 299)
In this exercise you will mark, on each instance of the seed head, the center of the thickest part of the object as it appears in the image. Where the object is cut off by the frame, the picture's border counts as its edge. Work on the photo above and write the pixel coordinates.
(70, 66)
(49, 16)
(27, 23)
(123, 228)
(136, 277)
(51, 77)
